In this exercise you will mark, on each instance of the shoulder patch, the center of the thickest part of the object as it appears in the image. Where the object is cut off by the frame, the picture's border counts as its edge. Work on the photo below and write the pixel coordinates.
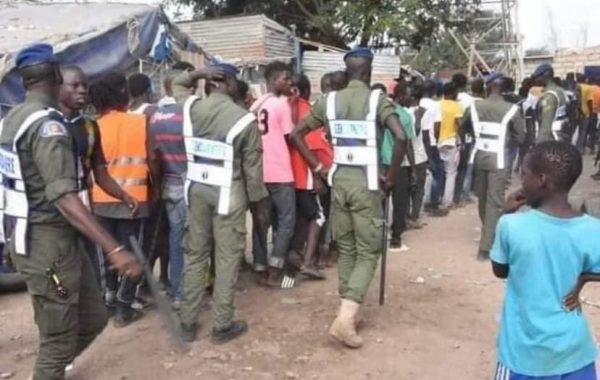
(53, 128)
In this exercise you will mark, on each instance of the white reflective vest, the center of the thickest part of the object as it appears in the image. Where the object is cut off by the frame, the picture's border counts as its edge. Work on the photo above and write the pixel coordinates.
(355, 141)
(491, 136)
(218, 157)
(13, 196)
(560, 117)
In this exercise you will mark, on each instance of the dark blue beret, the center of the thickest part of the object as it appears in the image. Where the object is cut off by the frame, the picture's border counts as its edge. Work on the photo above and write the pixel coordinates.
(493, 76)
(541, 69)
(34, 55)
(359, 52)
(227, 68)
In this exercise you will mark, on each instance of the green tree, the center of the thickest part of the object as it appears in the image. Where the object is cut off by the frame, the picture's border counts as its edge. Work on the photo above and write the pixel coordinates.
(413, 23)
(445, 52)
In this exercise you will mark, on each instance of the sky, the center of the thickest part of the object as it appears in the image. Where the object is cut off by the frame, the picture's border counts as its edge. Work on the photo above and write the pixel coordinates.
(576, 22)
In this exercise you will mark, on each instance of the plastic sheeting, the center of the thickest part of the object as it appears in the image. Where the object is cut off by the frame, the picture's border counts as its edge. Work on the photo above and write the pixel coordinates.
(100, 38)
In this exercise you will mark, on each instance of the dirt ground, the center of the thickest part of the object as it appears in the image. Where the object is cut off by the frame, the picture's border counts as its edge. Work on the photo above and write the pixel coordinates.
(439, 322)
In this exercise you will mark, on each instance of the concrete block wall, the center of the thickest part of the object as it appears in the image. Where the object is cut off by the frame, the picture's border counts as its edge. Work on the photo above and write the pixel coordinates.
(573, 60)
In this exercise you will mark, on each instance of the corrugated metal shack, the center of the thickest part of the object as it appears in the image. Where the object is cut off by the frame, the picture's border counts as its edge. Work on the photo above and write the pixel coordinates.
(251, 42)
(317, 63)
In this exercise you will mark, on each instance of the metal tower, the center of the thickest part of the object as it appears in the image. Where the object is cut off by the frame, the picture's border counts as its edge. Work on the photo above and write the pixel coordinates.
(505, 55)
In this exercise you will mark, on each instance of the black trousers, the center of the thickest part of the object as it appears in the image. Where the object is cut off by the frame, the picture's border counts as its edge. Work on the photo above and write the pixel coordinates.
(417, 192)
(400, 202)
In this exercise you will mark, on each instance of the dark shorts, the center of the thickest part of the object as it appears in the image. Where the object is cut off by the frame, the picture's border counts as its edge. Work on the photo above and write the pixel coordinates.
(586, 373)
(309, 206)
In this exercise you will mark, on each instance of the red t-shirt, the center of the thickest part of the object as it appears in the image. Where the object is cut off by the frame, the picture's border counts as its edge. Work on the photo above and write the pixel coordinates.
(316, 141)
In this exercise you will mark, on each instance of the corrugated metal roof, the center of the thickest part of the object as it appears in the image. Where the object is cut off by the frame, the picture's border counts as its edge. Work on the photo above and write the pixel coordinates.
(59, 24)
(244, 38)
(314, 61)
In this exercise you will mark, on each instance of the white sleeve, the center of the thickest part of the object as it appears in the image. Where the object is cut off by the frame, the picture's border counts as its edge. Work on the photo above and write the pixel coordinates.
(437, 113)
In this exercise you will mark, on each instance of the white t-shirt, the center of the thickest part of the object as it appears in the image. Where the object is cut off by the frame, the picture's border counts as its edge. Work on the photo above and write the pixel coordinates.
(432, 115)
(465, 100)
(417, 142)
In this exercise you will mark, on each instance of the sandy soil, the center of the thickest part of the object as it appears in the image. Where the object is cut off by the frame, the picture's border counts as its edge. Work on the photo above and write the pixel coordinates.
(439, 322)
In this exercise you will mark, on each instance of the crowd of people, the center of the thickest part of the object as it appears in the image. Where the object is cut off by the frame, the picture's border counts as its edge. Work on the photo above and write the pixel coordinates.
(89, 167)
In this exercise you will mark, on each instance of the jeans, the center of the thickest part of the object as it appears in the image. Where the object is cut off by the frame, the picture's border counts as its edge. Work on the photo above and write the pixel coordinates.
(513, 151)
(593, 132)
(122, 229)
(450, 156)
(172, 195)
(438, 177)
(463, 169)
(583, 133)
(282, 199)
(418, 191)
(467, 189)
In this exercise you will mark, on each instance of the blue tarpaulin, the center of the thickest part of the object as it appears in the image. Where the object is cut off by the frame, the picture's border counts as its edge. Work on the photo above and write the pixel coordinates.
(100, 38)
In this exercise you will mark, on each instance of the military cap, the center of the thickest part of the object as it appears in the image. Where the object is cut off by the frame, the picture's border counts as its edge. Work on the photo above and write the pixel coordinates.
(34, 55)
(359, 52)
(227, 68)
(495, 75)
(541, 70)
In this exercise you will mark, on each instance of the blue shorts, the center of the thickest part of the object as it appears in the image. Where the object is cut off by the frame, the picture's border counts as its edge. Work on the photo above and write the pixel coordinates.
(586, 373)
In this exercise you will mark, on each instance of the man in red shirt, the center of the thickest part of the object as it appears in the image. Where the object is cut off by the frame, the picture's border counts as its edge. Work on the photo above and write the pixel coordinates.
(309, 186)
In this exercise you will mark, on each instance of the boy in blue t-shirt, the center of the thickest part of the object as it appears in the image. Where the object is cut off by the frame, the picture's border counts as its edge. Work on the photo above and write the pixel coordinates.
(545, 253)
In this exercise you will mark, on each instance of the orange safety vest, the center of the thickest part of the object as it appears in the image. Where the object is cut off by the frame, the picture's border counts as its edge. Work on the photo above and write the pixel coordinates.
(123, 138)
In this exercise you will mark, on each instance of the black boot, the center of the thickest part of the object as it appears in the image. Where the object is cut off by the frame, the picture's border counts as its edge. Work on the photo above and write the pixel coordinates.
(235, 330)
(125, 315)
(188, 332)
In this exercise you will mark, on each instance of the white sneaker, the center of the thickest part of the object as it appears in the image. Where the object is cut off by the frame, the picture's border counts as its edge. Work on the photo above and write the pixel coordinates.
(402, 248)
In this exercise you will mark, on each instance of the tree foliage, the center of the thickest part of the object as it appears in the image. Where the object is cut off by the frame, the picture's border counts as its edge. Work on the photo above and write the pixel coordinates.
(377, 23)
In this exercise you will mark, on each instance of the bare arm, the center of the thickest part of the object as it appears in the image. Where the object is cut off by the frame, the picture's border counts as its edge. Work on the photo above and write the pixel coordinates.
(572, 300)
(153, 167)
(410, 154)
(80, 218)
(297, 139)
(436, 129)
(393, 124)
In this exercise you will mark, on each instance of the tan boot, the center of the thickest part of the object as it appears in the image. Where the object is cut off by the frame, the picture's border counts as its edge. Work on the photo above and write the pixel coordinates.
(343, 328)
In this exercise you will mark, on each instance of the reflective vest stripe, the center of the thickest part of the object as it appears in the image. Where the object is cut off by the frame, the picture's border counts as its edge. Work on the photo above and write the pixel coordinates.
(128, 182)
(363, 130)
(123, 143)
(491, 136)
(125, 160)
(218, 175)
(559, 116)
(14, 200)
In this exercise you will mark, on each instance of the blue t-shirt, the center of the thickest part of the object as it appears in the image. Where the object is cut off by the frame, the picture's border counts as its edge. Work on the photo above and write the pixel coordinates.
(545, 256)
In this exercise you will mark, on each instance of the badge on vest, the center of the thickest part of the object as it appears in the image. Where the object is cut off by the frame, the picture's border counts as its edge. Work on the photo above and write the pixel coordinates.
(352, 129)
(53, 129)
(8, 163)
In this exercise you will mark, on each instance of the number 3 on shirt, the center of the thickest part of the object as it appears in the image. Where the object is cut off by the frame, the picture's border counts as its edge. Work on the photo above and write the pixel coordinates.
(263, 121)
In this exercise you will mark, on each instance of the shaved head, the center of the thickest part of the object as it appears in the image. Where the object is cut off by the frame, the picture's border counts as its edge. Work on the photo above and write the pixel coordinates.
(496, 86)
(359, 68)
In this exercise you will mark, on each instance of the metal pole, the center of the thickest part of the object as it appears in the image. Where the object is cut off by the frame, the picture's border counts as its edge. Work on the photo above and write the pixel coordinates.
(386, 211)
(521, 67)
